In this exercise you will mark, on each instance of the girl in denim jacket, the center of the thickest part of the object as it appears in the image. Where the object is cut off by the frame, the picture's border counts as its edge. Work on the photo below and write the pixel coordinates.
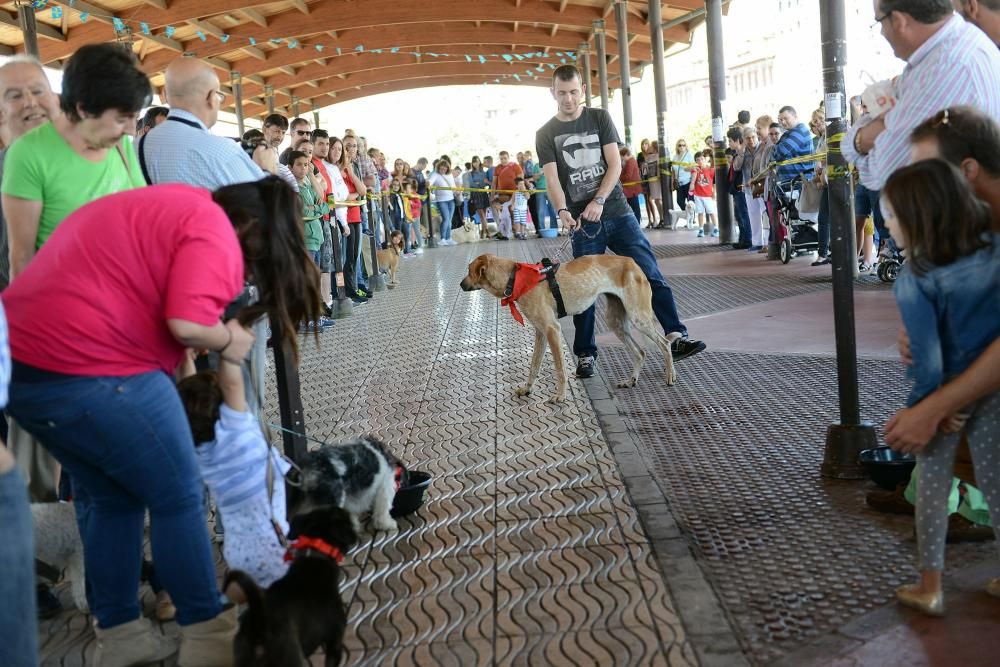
(949, 297)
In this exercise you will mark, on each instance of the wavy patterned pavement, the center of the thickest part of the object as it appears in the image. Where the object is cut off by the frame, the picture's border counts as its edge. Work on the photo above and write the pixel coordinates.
(529, 550)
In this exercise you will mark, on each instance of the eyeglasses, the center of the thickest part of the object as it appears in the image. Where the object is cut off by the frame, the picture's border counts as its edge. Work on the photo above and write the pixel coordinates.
(879, 19)
(303, 133)
(681, 145)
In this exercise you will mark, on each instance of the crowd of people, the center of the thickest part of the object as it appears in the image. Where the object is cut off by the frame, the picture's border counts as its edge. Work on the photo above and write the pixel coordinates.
(128, 242)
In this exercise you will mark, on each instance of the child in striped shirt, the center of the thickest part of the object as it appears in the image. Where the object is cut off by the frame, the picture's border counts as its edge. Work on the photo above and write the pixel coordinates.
(519, 208)
(233, 457)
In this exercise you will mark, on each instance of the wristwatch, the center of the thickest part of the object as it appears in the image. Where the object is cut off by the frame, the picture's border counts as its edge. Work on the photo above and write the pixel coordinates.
(599, 200)
(559, 212)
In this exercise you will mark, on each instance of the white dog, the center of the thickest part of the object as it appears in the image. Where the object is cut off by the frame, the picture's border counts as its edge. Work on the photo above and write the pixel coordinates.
(468, 233)
(57, 543)
(676, 216)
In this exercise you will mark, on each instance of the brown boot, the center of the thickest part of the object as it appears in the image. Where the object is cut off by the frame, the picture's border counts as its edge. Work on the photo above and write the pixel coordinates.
(891, 502)
(209, 643)
(133, 643)
(961, 529)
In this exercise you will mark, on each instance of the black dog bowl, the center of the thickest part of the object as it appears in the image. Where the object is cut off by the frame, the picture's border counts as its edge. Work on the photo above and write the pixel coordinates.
(409, 498)
(887, 468)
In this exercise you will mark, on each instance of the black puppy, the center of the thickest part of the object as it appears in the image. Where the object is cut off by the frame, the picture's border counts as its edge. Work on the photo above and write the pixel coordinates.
(302, 611)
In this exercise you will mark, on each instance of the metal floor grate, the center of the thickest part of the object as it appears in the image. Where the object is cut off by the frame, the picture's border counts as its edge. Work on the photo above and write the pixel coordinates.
(736, 447)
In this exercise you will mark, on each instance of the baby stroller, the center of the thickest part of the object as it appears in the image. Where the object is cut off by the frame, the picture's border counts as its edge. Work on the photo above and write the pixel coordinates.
(890, 261)
(794, 236)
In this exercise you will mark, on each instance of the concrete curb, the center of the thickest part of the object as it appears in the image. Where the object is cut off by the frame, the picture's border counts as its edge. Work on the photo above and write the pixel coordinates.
(704, 618)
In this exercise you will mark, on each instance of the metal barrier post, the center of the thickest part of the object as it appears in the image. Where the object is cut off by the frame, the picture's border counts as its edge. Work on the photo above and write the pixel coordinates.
(717, 89)
(660, 88)
(376, 281)
(342, 306)
(584, 49)
(624, 67)
(602, 62)
(237, 85)
(844, 441)
(425, 214)
(29, 28)
(289, 397)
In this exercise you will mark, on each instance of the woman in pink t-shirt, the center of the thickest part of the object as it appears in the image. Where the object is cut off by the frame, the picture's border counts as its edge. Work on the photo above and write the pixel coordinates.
(150, 272)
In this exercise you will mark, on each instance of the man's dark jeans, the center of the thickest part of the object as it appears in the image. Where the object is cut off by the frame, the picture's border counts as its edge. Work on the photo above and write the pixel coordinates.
(623, 236)
(742, 216)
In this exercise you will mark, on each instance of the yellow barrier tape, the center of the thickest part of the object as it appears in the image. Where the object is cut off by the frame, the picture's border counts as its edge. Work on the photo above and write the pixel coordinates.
(353, 202)
(457, 189)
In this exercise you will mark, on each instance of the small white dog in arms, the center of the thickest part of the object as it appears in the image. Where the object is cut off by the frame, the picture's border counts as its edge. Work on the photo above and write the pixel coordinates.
(57, 543)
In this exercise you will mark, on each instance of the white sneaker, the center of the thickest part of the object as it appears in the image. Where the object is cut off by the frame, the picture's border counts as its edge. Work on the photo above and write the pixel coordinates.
(418, 251)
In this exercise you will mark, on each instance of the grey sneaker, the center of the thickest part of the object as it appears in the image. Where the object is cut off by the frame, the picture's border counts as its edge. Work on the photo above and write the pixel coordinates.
(585, 367)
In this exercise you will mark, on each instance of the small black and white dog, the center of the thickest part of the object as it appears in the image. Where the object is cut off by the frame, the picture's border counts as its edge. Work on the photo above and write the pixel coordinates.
(302, 611)
(359, 475)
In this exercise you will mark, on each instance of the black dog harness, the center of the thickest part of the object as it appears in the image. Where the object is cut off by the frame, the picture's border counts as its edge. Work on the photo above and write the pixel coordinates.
(548, 270)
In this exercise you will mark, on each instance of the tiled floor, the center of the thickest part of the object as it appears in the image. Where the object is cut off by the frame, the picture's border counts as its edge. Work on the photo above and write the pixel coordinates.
(530, 549)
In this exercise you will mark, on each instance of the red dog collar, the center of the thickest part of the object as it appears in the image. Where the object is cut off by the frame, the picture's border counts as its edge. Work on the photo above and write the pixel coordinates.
(399, 476)
(305, 545)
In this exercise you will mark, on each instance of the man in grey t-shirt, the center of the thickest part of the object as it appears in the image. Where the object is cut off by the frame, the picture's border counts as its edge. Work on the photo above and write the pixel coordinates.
(578, 152)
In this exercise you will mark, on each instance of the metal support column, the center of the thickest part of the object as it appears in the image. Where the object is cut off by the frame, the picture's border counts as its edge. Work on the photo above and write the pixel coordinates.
(717, 89)
(289, 397)
(29, 29)
(269, 94)
(315, 119)
(376, 281)
(844, 440)
(602, 62)
(587, 78)
(237, 84)
(295, 107)
(660, 87)
(621, 19)
(342, 306)
(428, 217)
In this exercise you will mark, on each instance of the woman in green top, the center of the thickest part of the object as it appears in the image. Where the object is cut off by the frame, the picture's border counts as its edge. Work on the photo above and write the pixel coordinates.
(79, 156)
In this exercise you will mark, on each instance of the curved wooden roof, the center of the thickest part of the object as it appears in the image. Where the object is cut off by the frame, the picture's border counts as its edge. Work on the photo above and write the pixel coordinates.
(322, 52)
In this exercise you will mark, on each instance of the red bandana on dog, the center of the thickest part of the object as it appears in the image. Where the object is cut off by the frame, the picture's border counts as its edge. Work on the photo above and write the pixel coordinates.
(526, 278)
(313, 544)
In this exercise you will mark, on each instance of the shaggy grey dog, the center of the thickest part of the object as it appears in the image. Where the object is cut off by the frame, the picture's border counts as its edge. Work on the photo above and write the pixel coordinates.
(57, 543)
(358, 475)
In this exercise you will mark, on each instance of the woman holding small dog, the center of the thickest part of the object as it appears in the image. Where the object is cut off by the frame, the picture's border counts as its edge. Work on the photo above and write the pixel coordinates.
(156, 267)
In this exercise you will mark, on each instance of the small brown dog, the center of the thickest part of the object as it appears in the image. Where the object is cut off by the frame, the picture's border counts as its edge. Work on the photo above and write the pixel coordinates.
(388, 260)
(581, 281)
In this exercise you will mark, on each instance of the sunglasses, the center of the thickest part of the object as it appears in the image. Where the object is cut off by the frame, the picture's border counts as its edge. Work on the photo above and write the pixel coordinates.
(303, 133)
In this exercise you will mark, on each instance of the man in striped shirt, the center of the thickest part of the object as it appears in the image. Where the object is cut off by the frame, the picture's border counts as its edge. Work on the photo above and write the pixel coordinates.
(949, 62)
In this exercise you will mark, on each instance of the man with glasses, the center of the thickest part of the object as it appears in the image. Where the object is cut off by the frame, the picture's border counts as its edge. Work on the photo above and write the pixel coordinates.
(949, 63)
(299, 129)
(181, 149)
(266, 154)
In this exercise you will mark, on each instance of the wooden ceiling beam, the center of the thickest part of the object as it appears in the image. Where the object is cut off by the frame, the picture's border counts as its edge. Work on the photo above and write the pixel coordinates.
(361, 17)
(255, 16)
(464, 38)
(351, 91)
(43, 29)
(300, 5)
(294, 84)
(207, 28)
(254, 52)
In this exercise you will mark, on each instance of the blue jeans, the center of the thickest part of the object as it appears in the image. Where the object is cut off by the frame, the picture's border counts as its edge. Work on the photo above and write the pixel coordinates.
(127, 443)
(866, 202)
(623, 236)
(18, 624)
(742, 217)
(447, 210)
